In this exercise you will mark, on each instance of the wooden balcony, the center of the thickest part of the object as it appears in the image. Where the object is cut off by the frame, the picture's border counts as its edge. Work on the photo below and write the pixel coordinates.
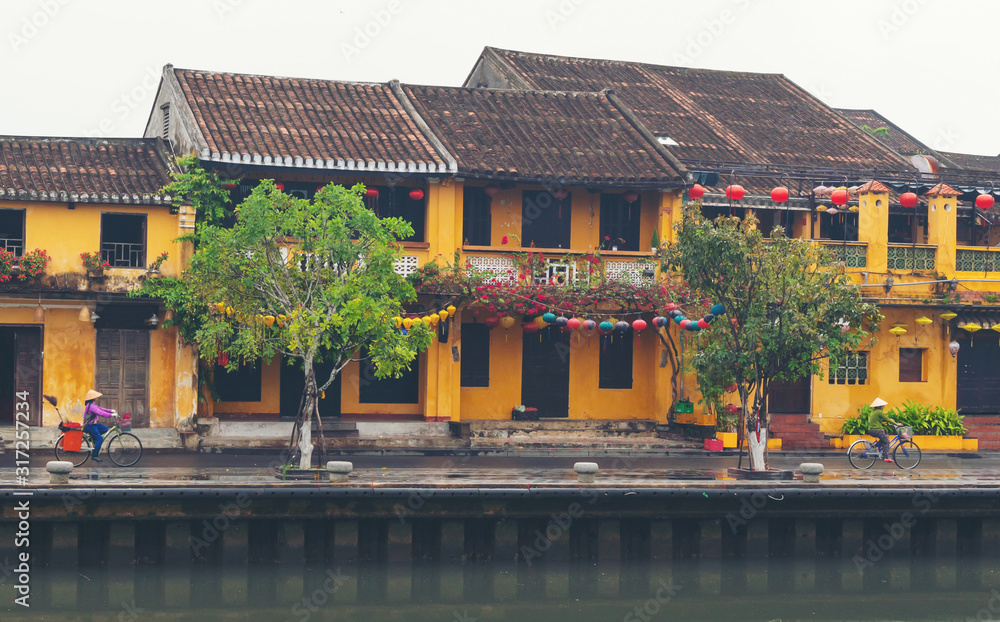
(562, 267)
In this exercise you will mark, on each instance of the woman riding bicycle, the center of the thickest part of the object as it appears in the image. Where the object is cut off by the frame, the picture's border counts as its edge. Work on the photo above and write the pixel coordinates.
(877, 421)
(91, 413)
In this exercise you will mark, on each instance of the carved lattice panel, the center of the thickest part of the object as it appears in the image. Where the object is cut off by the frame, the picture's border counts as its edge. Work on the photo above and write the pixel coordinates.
(557, 273)
(495, 269)
(911, 258)
(852, 255)
(977, 261)
(405, 265)
(628, 272)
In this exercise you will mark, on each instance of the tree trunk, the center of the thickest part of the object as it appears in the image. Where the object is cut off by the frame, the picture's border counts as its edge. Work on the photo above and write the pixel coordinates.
(308, 408)
(756, 449)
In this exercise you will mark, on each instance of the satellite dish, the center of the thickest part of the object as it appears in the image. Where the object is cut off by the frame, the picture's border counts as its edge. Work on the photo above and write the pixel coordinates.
(926, 164)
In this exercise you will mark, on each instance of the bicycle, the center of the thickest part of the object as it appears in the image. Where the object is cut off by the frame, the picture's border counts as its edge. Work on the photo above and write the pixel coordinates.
(123, 447)
(905, 453)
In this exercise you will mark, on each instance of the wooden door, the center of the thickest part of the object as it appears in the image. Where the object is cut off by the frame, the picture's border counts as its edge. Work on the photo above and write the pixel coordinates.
(790, 398)
(123, 372)
(978, 374)
(545, 372)
(20, 373)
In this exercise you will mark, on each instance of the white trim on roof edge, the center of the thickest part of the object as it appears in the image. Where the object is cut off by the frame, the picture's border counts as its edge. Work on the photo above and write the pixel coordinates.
(329, 163)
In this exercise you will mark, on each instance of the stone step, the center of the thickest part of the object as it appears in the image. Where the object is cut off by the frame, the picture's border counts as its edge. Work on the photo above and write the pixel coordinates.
(45, 438)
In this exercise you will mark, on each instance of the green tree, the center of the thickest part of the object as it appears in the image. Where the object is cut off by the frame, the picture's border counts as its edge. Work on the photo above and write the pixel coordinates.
(310, 280)
(788, 307)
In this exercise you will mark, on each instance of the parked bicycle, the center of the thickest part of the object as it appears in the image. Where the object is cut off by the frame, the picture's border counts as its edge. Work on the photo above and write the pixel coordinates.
(905, 453)
(124, 448)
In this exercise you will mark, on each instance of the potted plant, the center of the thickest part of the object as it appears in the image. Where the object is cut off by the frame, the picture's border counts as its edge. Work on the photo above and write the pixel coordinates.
(524, 413)
(154, 268)
(94, 264)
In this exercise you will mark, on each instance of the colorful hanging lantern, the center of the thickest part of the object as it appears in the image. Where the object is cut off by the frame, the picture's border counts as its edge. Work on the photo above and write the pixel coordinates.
(560, 194)
(692, 326)
(589, 325)
(605, 327)
(491, 189)
(833, 211)
(674, 313)
(972, 327)
(953, 348)
(679, 320)
(223, 358)
(631, 196)
(492, 322)
(398, 321)
(434, 318)
(924, 321)
(507, 321)
(897, 330)
(908, 199)
(561, 321)
(417, 194)
(549, 318)
(280, 186)
(670, 307)
(839, 196)
(451, 309)
(229, 185)
(948, 316)
(984, 201)
(718, 309)
(779, 194)
(659, 321)
(621, 326)
(702, 323)
(573, 323)
(639, 325)
(732, 409)
(443, 314)
(735, 192)
(695, 192)
(371, 193)
(540, 322)
(731, 387)
(408, 323)
(269, 320)
(821, 190)
(709, 317)
(821, 208)
(221, 307)
(530, 328)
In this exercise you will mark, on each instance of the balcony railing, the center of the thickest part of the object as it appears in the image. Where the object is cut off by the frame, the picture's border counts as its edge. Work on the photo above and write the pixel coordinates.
(970, 260)
(852, 254)
(15, 246)
(124, 255)
(911, 257)
(502, 269)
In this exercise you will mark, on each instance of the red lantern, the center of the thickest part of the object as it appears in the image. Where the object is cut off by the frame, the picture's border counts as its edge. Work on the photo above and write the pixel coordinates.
(223, 359)
(573, 323)
(631, 196)
(696, 192)
(530, 328)
(280, 186)
(371, 193)
(839, 196)
(318, 188)
(670, 307)
(702, 323)
(560, 194)
(492, 322)
(779, 194)
(639, 325)
(732, 409)
(735, 192)
(731, 388)
(491, 189)
(416, 194)
(984, 201)
(908, 199)
(229, 185)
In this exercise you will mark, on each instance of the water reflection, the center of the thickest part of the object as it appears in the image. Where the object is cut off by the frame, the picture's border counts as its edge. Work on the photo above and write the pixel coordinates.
(740, 589)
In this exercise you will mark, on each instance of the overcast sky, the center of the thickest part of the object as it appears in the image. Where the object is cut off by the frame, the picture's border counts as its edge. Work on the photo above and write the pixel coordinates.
(90, 67)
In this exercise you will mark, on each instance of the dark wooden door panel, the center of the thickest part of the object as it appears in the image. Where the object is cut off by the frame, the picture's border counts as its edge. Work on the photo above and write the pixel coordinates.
(789, 397)
(28, 363)
(978, 375)
(123, 372)
(545, 373)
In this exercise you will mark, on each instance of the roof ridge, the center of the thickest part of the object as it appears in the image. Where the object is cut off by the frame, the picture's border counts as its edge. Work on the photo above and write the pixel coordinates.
(274, 77)
(478, 89)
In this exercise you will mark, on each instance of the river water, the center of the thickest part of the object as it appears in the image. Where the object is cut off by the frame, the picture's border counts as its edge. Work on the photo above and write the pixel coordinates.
(718, 590)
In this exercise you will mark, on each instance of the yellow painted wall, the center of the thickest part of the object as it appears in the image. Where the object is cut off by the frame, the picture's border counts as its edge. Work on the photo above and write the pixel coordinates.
(350, 385)
(270, 395)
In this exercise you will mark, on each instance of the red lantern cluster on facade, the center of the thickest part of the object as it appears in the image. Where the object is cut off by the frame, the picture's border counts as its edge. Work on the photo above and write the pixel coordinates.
(839, 196)
(735, 192)
(695, 192)
(779, 194)
(984, 201)
(908, 199)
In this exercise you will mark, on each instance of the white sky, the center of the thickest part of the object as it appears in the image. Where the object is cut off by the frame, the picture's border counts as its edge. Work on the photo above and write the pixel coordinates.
(73, 67)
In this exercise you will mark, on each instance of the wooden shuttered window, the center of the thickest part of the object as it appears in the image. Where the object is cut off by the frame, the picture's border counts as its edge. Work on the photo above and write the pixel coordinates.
(911, 365)
(475, 355)
(616, 362)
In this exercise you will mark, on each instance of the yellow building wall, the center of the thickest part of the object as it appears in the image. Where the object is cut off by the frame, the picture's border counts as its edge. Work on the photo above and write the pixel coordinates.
(270, 395)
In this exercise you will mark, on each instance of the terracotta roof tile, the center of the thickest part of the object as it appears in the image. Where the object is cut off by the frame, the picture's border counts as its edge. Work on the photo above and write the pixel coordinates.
(303, 122)
(874, 186)
(714, 115)
(970, 162)
(532, 135)
(943, 190)
(121, 170)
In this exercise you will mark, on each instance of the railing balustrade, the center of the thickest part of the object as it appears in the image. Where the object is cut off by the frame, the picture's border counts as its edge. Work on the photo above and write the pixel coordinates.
(124, 254)
(911, 257)
(852, 254)
(977, 260)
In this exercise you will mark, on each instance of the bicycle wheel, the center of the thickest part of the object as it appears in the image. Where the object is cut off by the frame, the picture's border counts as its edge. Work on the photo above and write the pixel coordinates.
(124, 449)
(862, 454)
(906, 455)
(76, 457)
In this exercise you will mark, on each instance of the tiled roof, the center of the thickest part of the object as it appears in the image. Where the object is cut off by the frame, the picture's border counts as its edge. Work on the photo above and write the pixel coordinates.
(970, 162)
(301, 122)
(712, 115)
(943, 190)
(120, 170)
(532, 135)
(898, 140)
(874, 186)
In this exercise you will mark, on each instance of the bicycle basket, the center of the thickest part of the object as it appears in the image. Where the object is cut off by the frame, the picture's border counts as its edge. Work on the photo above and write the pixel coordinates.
(904, 432)
(72, 440)
(126, 423)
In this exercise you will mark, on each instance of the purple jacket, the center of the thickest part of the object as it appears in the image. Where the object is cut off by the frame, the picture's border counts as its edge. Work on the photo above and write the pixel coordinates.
(93, 411)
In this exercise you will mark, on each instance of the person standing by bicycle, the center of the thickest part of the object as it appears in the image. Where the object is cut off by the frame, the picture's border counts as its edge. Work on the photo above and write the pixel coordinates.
(877, 421)
(91, 415)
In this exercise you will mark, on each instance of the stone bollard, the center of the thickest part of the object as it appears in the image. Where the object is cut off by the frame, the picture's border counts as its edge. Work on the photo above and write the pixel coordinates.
(339, 470)
(585, 471)
(811, 472)
(59, 471)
